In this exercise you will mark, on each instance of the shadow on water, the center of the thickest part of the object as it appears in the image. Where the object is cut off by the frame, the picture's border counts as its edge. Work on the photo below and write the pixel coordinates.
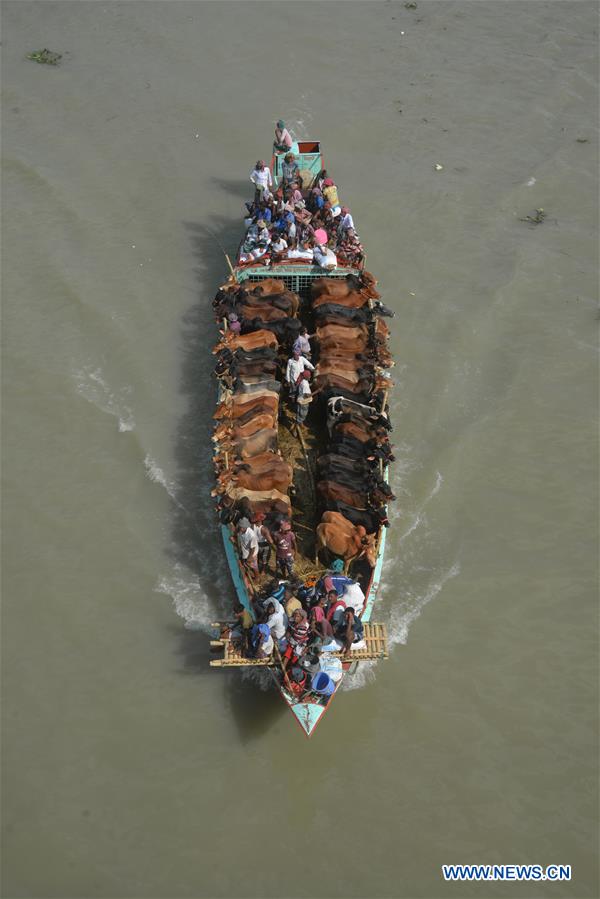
(239, 188)
(196, 540)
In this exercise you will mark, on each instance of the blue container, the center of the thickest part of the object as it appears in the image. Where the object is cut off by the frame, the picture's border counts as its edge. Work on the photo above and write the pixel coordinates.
(322, 683)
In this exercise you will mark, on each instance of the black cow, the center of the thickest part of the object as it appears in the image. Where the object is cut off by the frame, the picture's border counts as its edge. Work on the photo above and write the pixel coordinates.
(343, 315)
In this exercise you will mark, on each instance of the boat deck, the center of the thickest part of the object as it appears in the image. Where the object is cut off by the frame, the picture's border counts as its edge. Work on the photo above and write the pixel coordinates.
(376, 647)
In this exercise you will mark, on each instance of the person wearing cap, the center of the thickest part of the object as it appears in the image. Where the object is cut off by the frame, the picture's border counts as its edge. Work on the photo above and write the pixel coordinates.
(265, 541)
(303, 397)
(283, 140)
(248, 545)
(285, 549)
(289, 169)
(330, 192)
(261, 641)
(335, 579)
(315, 200)
(261, 178)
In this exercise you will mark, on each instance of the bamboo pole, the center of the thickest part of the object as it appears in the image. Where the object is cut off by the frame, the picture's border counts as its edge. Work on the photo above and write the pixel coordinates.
(283, 671)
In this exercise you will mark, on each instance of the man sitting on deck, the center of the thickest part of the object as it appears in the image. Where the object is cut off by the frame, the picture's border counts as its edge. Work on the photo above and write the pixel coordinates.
(350, 630)
(261, 641)
(283, 139)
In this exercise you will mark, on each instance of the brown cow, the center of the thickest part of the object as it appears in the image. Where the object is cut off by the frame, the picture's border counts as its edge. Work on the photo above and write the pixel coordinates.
(336, 287)
(285, 299)
(267, 402)
(326, 368)
(258, 423)
(252, 341)
(264, 313)
(269, 480)
(265, 472)
(331, 490)
(351, 300)
(342, 332)
(245, 448)
(259, 496)
(331, 344)
(338, 535)
(238, 405)
(269, 285)
(382, 332)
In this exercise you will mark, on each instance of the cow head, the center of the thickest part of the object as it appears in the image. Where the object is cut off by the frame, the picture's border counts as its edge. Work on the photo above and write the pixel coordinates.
(369, 549)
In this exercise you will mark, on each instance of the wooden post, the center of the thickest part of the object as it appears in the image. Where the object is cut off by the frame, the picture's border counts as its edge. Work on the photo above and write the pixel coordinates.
(283, 671)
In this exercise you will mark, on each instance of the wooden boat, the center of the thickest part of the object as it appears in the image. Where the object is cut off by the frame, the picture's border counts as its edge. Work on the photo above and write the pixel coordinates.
(302, 448)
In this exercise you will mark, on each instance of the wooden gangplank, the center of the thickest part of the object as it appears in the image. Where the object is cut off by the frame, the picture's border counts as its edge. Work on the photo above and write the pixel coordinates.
(375, 639)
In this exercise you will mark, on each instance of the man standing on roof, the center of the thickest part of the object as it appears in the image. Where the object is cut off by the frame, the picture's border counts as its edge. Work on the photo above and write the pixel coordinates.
(283, 140)
(261, 178)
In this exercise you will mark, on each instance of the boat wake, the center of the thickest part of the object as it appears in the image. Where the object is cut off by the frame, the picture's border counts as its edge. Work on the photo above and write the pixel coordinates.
(364, 675)
(190, 601)
(412, 604)
(93, 387)
(157, 476)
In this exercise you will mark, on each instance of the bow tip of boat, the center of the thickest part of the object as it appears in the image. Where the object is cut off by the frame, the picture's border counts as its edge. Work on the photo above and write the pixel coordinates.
(308, 715)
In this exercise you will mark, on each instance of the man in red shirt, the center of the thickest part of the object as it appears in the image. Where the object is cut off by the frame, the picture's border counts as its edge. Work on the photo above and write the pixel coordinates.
(285, 549)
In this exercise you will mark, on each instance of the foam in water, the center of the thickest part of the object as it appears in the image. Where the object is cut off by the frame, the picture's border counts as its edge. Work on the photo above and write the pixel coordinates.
(190, 601)
(364, 674)
(93, 387)
(411, 607)
(157, 476)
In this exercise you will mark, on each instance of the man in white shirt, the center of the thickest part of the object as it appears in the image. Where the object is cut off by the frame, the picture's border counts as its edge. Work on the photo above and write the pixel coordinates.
(278, 246)
(261, 178)
(248, 545)
(346, 222)
(296, 365)
(276, 619)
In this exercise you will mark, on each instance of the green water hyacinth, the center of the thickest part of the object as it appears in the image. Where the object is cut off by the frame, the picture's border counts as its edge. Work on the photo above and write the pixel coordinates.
(45, 57)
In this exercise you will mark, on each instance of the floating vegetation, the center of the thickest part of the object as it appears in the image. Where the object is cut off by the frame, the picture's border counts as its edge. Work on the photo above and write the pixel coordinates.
(411, 5)
(582, 140)
(45, 57)
(536, 219)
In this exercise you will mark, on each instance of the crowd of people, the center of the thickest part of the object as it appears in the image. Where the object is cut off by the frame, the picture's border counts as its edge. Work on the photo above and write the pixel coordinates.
(300, 218)
(297, 622)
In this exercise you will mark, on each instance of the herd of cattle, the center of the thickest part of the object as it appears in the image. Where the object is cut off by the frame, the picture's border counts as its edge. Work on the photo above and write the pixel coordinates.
(350, 356)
